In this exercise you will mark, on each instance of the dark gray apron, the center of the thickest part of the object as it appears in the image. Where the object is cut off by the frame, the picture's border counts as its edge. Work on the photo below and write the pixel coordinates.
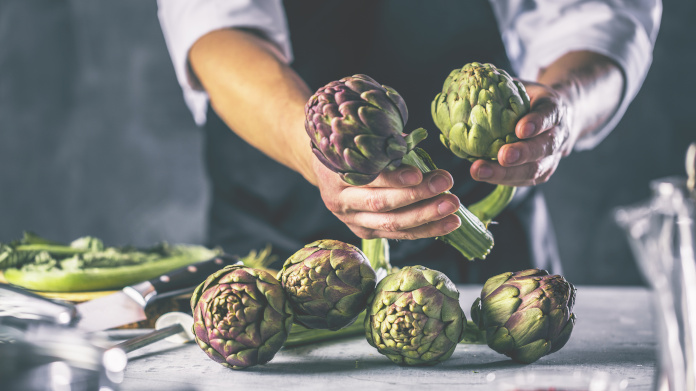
(411, 46)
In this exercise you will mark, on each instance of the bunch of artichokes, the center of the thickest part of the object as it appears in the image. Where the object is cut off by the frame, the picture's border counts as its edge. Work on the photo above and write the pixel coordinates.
(525, 314)
(414, 317)
(356, 127)
(327, 284)
(241, 316)
(476, 113)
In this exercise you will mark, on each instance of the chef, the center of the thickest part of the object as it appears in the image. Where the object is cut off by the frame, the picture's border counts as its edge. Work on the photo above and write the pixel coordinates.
(247, 68)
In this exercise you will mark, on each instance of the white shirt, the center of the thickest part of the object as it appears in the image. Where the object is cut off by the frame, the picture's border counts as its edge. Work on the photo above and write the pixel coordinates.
(535, 33)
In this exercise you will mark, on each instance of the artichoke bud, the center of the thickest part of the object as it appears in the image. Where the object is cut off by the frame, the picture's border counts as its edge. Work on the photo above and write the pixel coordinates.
(483, 95)
(526, 314)
(356, 127)
(414, 317)
(241, 316)
(327, 284)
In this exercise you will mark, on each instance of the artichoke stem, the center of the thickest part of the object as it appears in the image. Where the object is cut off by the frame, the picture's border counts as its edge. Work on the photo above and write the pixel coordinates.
(472, 239)
(300, 335)
(377, 252)
(489, 207)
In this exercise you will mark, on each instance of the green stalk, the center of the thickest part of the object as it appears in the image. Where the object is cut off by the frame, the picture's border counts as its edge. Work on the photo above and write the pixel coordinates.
(300, 335)
(489, 207)
(473, 335)
(472, 239)
(377, 252)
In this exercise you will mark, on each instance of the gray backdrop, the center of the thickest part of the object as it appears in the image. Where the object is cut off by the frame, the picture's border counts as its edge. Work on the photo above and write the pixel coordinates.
(95, 138)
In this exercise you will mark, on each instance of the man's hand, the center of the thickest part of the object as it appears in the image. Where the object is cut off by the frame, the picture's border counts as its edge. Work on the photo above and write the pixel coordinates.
(574, 96)
(399, 204)
(545, 135)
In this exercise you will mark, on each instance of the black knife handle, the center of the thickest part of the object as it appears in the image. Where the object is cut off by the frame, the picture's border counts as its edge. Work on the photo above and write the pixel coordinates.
(187, 278)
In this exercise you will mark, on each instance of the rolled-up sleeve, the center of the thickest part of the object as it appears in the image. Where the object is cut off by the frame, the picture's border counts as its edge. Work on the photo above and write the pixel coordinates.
(537, 32)
(183, 22)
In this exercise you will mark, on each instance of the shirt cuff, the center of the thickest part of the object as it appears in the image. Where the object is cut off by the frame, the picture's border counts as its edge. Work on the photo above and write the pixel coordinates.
(183, 22)
(614, 36)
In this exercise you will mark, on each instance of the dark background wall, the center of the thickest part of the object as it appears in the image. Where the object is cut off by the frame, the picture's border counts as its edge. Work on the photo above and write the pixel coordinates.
(95, 138)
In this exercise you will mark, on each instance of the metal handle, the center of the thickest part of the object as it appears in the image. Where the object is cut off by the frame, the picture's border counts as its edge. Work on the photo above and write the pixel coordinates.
(24, 306)
(144, 340)
(174, 326)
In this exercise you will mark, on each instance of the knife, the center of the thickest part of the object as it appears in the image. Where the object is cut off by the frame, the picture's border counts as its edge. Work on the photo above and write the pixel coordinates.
(128, 305)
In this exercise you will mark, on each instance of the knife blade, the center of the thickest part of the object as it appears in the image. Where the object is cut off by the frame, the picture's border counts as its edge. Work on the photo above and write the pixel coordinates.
(128, 305)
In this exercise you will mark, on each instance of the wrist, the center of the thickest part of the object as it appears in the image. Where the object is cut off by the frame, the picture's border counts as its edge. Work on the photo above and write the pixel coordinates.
(591, 85)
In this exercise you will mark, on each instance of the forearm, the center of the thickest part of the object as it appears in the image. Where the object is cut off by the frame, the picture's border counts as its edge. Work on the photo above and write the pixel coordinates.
(257, 95)
(590, 83)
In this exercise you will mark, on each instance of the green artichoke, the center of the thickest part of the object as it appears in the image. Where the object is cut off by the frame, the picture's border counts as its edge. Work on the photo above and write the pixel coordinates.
(526, 314)
(478, 109)
(356, 126)
(414, 317)
(476, 113)
(327, 284)
(241, 316)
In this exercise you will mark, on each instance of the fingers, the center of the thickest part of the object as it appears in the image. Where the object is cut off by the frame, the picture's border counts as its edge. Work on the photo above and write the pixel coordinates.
(399, 204)
(545, 144)
(411, 216)
(528, 174)
(387, 192)
(403, 176)
(546, 112)
(434, 229)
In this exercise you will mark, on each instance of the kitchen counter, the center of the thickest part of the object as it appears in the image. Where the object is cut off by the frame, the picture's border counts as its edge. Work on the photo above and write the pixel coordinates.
(614, 333)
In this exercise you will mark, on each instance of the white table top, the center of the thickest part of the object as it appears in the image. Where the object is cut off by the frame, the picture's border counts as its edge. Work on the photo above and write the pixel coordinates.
(613, 333)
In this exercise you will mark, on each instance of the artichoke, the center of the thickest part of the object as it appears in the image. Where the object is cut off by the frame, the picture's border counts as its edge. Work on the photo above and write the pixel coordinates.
(241, 316)
(356, 126)
(327, 284)
(476, 113)
(526, 314)
(414, 317)
(478, 109)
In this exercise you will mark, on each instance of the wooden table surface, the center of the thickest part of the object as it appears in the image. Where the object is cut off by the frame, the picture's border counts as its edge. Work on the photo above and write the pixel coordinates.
(614, 334)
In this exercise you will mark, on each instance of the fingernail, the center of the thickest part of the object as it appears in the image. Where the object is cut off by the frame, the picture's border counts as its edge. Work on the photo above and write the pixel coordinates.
(528, 130)
(512, 155)
(446, 208)
(451, 226)
(409, 178)
(438, 184)
(484, 172)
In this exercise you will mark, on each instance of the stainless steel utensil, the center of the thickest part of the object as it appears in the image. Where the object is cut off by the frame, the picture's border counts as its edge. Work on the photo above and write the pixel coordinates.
(661, 232)
(173, 326)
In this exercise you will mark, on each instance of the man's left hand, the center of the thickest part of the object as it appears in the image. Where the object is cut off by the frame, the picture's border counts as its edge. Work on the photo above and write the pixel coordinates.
(545, 137)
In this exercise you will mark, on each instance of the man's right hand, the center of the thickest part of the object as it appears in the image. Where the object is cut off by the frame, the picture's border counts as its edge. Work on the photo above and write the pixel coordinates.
(399, 204)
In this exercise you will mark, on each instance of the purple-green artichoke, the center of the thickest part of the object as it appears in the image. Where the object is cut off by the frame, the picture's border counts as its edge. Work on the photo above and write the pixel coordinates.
(414, 317)
(241, 316)
(526, 314)
(356, 126)
(478, 109)
(327, 284)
